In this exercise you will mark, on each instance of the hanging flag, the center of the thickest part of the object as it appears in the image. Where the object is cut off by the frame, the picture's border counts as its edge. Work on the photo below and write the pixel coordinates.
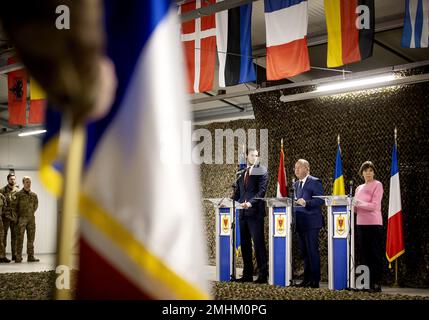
(37, 103)
(17, 95)
(395, 240)
(143, 241)
(339, 188)
(350, 25)
(286, 30)
(199, 40)
(281, 176)
(234, 45)
(416, 24)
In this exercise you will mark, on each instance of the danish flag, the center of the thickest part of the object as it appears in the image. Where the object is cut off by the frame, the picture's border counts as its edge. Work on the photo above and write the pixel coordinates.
(199, 40)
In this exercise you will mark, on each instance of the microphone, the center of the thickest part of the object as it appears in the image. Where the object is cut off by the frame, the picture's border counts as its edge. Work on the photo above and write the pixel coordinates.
(240, 171)
(351, 188)
(293, 183)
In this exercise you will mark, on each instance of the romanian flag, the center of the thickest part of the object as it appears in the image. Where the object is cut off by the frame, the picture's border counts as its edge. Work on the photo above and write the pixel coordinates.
(350, 26)
(395, 240)
(234, 45)
(286, 28)
(37, 103)
(339, 188)
(281, 176)
(141, 223)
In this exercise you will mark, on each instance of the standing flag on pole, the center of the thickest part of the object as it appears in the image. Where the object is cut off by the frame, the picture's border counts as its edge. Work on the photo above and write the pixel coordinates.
(281, 176)
(37, 103)
(395, 240)
(350, 25)
(339, 188)
(17, 95)
(286, 30)
(416, 24)
(234, 45)
(199, 40)
(144, 241)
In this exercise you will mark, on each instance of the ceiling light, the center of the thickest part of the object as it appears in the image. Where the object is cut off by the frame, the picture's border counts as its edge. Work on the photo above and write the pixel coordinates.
(354, 83)
(30, 133)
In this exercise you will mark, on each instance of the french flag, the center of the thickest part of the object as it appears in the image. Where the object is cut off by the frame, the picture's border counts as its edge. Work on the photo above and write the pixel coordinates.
(395, 239)
(286, 31)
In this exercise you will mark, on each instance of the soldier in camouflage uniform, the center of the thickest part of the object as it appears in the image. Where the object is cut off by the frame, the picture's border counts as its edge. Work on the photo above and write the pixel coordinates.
(25, 206)
(3, 258)
(9, 216)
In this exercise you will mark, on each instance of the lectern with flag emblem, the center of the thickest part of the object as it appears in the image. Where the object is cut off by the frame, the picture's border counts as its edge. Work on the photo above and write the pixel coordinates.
(280, 241)
(224, 237)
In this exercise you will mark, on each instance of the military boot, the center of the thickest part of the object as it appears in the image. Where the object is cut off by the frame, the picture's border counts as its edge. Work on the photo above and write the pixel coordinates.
(32, 259)
(4, 260)
(14, 257)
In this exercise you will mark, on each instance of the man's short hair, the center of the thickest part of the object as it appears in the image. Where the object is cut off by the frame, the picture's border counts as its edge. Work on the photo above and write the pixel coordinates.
(26, 178)
(304, 162)
(250, 150)
(10, 175)
(366, 165)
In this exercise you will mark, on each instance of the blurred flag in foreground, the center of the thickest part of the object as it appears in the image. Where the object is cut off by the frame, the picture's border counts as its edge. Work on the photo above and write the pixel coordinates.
(141, 225)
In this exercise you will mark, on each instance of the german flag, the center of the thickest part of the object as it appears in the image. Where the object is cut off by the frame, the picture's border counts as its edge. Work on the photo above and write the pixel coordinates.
(350, 26)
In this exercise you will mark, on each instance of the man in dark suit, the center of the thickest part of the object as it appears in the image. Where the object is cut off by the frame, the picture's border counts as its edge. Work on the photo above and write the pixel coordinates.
(309, 221)
(252, 184)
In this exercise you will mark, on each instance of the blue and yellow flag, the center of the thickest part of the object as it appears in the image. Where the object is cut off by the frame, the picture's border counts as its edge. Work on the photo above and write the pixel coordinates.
(339, 189)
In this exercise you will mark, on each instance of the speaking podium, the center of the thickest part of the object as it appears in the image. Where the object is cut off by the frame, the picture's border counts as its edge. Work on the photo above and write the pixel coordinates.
(341, 263)
(280, 241)
(225, 242)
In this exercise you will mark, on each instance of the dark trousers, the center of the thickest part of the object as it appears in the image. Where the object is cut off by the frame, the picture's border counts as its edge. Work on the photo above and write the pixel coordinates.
(252, 228)
(309, 246)
(370, 241)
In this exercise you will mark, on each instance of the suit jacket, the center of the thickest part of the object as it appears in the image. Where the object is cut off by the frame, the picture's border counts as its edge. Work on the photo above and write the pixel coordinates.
(310, 216)
(256, 188)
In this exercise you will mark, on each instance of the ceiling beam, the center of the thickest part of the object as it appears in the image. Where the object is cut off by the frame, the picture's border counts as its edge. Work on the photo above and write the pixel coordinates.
(316, 94)
(210, 9)
(312, 82)
(393, 51)
(11, 67)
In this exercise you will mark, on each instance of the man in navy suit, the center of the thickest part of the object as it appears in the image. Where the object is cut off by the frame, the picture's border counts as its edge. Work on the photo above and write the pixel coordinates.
(252, 184)
(309, 221)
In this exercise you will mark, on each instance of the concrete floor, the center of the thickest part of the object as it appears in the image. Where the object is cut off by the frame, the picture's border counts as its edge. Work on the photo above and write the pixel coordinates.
(47, 262)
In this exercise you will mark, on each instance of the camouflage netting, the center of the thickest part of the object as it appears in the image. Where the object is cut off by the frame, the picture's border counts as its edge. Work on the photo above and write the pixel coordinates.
(365, 122)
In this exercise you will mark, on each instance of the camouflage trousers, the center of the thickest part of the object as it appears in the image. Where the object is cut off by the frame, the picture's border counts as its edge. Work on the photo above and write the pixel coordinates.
(7, 223)
(25, 224)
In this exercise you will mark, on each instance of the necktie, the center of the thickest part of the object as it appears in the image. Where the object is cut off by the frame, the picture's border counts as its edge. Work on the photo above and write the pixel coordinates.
(246, 177)
(299, 191)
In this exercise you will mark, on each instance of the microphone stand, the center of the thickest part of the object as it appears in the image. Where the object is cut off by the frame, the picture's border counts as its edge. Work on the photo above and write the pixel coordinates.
(292, 191)
(234, 186)
(350, 196)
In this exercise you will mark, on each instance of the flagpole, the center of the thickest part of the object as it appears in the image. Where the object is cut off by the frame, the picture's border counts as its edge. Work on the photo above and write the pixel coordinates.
(70, 197)
(395, 284)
